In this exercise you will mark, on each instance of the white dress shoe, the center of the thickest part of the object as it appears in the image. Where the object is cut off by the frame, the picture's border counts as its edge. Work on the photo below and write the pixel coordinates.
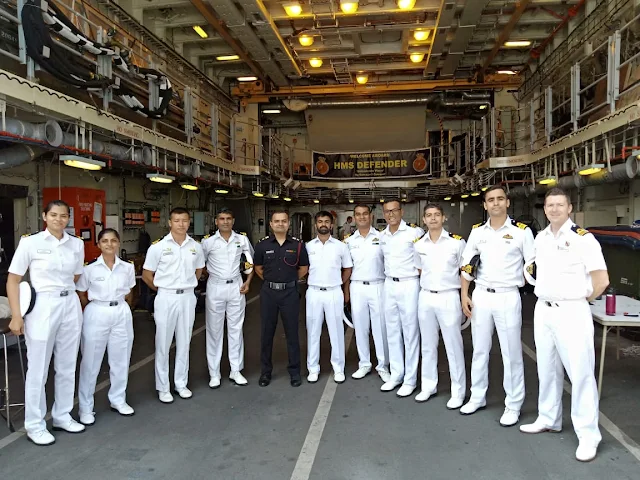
(389, 386)
(538, 427)
(338, 377)
(238, 379)
(184, 393)
(125, 409)
(361, 373)
(423, 396)
(165, 397)
(454, 403)
(71, 427)
(510, 417)
(214, 382)
(405, 390)
(41, 438)
(312, 378)
(384, 376)
(88, 418)
(472, 407)
(586, 452)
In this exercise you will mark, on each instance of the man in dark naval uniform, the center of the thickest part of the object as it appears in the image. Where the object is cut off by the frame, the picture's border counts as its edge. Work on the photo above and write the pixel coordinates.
(280, 260)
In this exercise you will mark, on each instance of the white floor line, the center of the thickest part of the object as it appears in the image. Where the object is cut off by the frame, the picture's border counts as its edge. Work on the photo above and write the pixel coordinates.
(615, 431)
(307, 456)
(8, 440)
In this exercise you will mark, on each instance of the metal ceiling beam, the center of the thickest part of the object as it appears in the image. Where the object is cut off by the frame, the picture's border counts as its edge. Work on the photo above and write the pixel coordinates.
(521, 6)
(445, 19)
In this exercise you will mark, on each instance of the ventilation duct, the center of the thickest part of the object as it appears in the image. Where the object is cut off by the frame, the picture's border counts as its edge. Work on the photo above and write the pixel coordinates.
(380, 102)
(17, 155)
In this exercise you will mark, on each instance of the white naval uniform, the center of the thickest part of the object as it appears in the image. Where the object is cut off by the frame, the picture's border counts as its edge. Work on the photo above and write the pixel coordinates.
(401, 289)
(563, 327)
(175, 305)
(325, 300)
(54, 324)
(496, 302)
(108, 325)
(439, 309)
(223, 296)
(366, 292)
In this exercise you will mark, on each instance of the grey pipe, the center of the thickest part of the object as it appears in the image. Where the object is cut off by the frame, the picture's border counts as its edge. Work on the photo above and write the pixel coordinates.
(36, 131)
(119, 152)
(19, 154)
(373, 103)
(476, 96)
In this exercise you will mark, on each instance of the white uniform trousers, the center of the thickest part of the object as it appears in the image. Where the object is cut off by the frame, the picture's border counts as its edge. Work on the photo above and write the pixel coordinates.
(564, 336)
(325, 305)
(368, 316)
(173, 313)
(442, 311)
(111, 329)
(225, 298)
(503, 310)
(403, 333)
(52, 327)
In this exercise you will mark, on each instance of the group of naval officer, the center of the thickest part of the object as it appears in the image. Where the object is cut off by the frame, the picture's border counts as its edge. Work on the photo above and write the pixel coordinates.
(404, 285)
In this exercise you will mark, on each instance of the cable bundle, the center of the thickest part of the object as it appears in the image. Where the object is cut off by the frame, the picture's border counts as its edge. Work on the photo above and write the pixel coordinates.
(40, 16)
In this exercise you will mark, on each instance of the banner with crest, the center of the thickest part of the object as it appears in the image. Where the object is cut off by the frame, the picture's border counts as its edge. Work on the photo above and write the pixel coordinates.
(363, 165)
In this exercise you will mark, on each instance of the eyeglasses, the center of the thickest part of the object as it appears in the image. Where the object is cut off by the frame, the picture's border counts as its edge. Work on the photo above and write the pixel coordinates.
(394, 212)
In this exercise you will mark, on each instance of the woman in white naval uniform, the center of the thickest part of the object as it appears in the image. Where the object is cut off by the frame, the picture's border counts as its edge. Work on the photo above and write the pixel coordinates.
(54, 260)
(106, 285)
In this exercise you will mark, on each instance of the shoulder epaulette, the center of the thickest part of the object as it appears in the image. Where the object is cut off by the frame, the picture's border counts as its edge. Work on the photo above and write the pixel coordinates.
(131, 262)
(413, 225)
(89, 263)
(243, 233)
(346, 236)
(453, 235)
(28, 234)
(477, 225)
(264, 238)
(520, 225)
(155, 241)
(382, 229)
(205, 237)
(419, 238)
(579, 230)
(296, 239)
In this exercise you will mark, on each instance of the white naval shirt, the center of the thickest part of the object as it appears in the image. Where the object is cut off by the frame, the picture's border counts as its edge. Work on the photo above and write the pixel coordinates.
(326, 261)
(440, 261)
(104, 284)
(397, 249)
(563, 263)
(502, 253)
(52, 263)
(366, 254)
(174, 265)
(223, 258)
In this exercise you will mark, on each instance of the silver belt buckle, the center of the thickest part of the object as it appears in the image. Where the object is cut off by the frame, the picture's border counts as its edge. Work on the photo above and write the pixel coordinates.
(179, 291)
(113, 303)
(64, 293)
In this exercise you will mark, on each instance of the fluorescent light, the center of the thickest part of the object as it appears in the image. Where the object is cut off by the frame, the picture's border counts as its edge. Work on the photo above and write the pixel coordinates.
(315, 62)
(483, 107)
(406, 4)
(362, 78)
(247, 79)
(188, 186)
(305, 40)
(286, 199)
(591, 169)
(82, 162)
(271, 110)
(382, 200)
(221, 190)
(416, 57)
(200, 31)
(257, 193)
(274, 195)
(421, 35)
(548, 180)
(351, 200)
(404, 200)
(475, 194)
(227, 58)
(293, 9)
(464, 195)
(315, 200)
(485, 188)
(517, 43)
(507, 72)
(349, 6)
(447, 198)
(160, 178)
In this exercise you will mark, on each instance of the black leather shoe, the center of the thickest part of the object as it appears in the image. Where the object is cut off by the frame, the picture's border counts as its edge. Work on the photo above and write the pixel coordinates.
(296, 381)
(264, 380)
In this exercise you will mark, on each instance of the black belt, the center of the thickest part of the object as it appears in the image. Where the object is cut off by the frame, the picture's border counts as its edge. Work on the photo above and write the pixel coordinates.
(551, 304)
(281, 285)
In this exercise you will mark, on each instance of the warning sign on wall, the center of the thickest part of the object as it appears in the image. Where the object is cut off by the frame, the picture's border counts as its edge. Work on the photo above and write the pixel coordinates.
(405, 163)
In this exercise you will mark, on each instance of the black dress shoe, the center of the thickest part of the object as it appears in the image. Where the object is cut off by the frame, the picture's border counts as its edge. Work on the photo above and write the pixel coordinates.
(264, 380)
(296, 381)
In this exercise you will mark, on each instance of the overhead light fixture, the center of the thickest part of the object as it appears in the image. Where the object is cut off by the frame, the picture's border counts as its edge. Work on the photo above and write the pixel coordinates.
(475, 194)
(421, 35)
(464, 195)
(292, 9)
(221, 191)
(483, 106)
(247, 79)
(257, 193)
(82, 162)
(160, 178)
(271, 110)
(382, 200)
(591, 169)
(507, 72)
(485, 188)
(406, 4)
(286, 199)
(227, 58)
(305, 40)
(351, 200)
(362, 78)
(551, 180)
(200, 31)
(315, 200)
(315, 62)
(517, 43)
(404, 200)
(188, 186)
(447, 198)
(349, 6)
(416, 57)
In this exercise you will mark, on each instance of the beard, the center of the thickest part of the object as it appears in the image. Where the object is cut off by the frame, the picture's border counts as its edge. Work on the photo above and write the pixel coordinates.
(323, 230)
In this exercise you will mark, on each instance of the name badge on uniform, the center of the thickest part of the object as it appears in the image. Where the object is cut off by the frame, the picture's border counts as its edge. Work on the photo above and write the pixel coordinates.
(44, 251)
(168, 252)
(353, 247)
(270, 251)
(193, 251)
(481, 241)
(311, 253)
(99, 279)
(291, 251)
